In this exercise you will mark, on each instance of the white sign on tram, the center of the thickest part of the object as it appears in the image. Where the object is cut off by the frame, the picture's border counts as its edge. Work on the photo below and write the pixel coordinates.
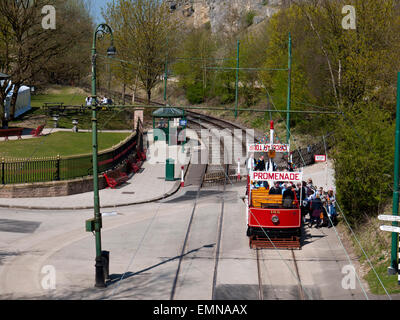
(268, 147)
(276, 176)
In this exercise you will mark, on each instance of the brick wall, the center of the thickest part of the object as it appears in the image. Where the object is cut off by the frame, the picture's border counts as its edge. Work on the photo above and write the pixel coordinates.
(54, 188)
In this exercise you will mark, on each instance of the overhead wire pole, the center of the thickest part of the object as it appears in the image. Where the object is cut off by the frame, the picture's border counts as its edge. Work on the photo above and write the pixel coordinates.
(237, 79)
(166, 76)
(289, 97)
(395, 211)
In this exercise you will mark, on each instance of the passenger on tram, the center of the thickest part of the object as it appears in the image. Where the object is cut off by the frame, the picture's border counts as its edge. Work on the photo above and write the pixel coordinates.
(275, 189)
(260, 164)
(251, 163)
(274, 166)
(288, 197)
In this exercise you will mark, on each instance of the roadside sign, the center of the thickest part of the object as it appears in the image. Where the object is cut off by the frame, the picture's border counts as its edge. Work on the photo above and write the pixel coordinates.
(320, 158)
(183, 123)
(390, 229)
(389, 218)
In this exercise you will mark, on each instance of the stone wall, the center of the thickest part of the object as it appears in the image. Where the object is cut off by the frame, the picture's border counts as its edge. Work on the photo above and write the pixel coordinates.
(54, 188)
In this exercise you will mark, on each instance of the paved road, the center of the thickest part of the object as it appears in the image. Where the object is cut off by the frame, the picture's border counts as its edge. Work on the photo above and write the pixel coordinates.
(146, 243)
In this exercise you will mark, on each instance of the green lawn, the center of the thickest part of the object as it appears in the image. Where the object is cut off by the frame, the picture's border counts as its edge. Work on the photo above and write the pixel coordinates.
(111, 119)
(67, 95)
(59, 143)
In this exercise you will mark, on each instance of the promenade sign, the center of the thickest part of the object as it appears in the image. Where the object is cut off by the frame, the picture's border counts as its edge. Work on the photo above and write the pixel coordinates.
(268, 147)
(276, 176)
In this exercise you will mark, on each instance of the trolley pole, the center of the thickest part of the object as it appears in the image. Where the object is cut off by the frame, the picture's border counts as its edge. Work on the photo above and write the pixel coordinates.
(395, 211)
(289, 97)
(166, 76)
(237, 79)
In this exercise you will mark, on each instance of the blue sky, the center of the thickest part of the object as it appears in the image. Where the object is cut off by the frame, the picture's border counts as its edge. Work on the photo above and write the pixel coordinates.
(97, 5)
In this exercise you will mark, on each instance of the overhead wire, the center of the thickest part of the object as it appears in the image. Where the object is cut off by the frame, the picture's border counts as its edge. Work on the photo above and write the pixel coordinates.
(337, 234)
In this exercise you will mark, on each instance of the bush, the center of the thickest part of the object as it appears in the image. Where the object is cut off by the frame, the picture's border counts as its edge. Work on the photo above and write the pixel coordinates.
(363, 156)
(249, 18)
(195, 93)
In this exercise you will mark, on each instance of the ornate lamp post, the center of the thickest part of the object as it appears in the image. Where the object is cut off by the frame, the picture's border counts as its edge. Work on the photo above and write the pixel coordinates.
(96, 224)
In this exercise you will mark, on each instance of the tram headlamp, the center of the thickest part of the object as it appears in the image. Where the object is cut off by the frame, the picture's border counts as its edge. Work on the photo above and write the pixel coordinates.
(275, 219)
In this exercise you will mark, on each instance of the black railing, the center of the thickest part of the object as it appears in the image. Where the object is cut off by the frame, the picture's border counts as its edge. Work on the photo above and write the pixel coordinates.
(19, 171)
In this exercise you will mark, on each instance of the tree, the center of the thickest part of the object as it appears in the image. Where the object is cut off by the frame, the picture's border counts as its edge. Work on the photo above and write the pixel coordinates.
(146, 33)
(197, 51)
(28, 48)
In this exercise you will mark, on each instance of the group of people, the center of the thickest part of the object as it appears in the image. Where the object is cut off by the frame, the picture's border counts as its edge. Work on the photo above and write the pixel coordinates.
(260, 164)
(104, 101)
(319, 204)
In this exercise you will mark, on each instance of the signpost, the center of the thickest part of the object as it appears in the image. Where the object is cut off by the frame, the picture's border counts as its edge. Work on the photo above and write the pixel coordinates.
(392, 229)
(389, 218)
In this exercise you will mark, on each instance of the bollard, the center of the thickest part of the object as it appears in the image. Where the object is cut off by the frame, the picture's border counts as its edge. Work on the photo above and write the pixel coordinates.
(170, 170)
(183, 176)
(238, 171)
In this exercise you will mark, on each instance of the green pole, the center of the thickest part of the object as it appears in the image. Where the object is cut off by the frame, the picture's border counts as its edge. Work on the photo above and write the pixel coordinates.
(237, 79)
(100, 274)
(395, 211)
(100, 281)
(289, 97)
(166, 76)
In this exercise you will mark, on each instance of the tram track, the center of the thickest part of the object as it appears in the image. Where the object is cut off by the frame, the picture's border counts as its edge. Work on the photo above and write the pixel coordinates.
(206, 122)
(224, 168)
(264, 276)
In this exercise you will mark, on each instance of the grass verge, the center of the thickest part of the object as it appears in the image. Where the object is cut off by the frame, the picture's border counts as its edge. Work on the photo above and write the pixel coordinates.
(59, 143)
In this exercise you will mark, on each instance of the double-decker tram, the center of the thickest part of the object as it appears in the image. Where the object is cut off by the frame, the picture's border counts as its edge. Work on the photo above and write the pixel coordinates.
(273, 208)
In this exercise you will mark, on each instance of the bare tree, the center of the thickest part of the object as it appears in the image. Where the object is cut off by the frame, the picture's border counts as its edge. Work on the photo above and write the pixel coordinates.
(146, 33)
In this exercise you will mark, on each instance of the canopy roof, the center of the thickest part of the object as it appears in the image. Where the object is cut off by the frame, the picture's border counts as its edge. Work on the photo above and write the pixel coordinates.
(168, 113)
(4, 76)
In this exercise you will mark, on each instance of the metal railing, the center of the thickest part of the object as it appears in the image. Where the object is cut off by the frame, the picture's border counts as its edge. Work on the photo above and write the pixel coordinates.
(19, 171)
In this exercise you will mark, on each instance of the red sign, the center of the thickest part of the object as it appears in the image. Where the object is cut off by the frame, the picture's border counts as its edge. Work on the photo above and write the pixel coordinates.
(320, 158)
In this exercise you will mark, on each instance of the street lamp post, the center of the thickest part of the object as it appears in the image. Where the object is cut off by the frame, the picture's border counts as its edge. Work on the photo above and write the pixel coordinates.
(96, 223)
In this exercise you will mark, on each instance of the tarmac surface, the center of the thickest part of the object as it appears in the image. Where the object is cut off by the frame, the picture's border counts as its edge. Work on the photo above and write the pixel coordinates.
(147, 185)
(190, 246)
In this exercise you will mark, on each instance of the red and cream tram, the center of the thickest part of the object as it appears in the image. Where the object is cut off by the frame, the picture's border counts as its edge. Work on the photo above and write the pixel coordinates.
(273, 219)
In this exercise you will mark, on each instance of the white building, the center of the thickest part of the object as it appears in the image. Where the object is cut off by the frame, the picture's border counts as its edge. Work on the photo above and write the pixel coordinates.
(23, 102)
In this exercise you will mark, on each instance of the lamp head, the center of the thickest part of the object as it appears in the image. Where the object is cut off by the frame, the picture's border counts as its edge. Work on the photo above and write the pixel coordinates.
(111, 51)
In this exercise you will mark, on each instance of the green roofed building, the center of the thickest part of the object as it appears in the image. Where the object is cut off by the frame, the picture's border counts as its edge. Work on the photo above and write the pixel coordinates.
(167, 123)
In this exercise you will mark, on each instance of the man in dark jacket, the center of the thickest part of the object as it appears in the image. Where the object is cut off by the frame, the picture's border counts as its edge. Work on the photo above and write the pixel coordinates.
(316, 210)
(276, 189)
(260, 164)
(288, 197)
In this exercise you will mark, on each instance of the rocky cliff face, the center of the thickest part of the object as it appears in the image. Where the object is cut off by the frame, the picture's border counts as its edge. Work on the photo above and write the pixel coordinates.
(225, 15)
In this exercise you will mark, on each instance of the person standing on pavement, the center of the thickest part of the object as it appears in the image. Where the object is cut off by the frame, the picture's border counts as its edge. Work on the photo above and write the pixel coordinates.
(316, 210)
